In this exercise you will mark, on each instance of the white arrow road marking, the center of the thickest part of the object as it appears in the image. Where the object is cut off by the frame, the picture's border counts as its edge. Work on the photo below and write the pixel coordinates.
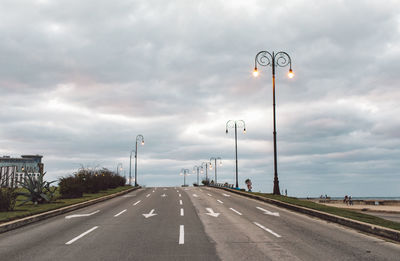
(195, 195)
(180, 202)
(237, 212)
(151, 213)
(209, 194)
(267, 212)
(220, 201)
(180, 195)
(211, 212)
(267, 229)
(82, 215)
(163, 195)
(137, 202)
(181, 235)
(116, 215)
(226, 195)
(148, 195)
(81, 235)
(182, 214)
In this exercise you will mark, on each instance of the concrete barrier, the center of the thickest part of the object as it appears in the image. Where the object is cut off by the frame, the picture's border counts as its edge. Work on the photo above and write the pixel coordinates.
(48, 214)
(357, 225)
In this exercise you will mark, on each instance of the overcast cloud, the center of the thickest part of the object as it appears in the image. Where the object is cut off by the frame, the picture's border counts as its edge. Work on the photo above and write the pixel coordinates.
(80, 79)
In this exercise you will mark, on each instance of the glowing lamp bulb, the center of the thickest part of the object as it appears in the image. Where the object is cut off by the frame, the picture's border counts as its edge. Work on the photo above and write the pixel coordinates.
(244, 131)
(142, 142)
(255, 72)
(290, 74)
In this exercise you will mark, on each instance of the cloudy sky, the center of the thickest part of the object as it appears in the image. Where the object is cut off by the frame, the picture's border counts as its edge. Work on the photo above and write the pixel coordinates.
(80, 79)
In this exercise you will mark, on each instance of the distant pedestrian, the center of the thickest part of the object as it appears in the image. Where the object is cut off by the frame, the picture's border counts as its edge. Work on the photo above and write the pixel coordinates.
(350, 201)
(286, 192)
(345, 200)
(249, 184)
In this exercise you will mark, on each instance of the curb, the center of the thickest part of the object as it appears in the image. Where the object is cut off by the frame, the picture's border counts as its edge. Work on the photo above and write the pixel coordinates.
(357, 225)
(38, 217)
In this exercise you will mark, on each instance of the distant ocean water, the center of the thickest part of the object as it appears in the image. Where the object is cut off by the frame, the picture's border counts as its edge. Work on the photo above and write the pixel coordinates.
(368, 198)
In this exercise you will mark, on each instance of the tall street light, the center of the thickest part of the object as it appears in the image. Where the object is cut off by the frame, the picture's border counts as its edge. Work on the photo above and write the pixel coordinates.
(198, 169)
(138, 138)
(184, 172)
(279, 59)
(215, 166)
(206, 166)
(236, 124)
(130, 167)
(119, 168)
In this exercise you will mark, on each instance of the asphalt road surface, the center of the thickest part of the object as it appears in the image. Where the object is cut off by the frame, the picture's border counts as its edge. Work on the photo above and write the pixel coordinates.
(189, 224)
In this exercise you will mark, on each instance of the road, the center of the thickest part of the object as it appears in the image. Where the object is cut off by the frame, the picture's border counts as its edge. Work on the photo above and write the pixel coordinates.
(189, 224)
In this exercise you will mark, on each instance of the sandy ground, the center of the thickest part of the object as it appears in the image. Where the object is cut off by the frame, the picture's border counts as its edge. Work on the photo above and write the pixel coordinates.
(369, 208)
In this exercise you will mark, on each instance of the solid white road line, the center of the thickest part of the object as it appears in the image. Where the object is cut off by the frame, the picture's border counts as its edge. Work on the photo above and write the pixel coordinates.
(267, 229)
(220, 201)
(181, 235)
(137, 202)
(209, 194)
(180, 195)
(148, 195)
(81, 235)
(182, 214)
(116, 215)
(180, 202)
(234, 210)
(226, 195)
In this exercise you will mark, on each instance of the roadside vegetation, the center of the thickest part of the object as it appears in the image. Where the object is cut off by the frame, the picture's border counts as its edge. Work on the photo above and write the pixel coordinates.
(334, 210)
(36, 196)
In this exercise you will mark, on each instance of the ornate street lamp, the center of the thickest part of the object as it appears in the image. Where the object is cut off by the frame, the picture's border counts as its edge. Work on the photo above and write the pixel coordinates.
(279, 59)
(130, 167)
(206, 167)
(138, 138)
(215, 166)
(184, 172)
(198, 169)
(236, 124)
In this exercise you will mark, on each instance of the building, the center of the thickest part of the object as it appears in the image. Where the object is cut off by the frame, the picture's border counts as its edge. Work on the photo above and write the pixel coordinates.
(13, 170)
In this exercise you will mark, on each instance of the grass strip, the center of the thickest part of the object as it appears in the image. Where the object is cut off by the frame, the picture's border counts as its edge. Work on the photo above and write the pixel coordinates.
(334, 210)
(30, 209)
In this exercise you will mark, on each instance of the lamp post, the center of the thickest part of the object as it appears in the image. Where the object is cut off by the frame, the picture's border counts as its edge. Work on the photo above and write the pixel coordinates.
(184, 172)
(130, 167)
(138, 138)
(198, 169)
(236, 124)
(206, 166)
(215, 165)
(119, 167)
(279, 59)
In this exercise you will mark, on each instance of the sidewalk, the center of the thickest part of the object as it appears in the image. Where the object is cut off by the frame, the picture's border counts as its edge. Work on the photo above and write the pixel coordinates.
(369, 208)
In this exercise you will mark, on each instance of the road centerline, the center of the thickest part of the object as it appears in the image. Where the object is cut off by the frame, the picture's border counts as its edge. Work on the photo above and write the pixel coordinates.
(220, 201)
(267, 229)
(116, 215)
(180, 202)
(81, 235)
(181, 235)
(237, 212)
(182, 214)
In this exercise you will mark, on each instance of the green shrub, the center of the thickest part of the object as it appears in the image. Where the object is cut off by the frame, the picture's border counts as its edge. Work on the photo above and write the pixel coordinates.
(71, 187)
(8, 198)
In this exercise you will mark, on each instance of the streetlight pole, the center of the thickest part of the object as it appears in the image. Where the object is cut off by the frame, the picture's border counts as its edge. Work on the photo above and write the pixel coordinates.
(130, 167)
(280, 59)
(119, 166)
(236, 124)
(198, 169)
(215, 166)
(184, 172)
(138, 138)
(206, 166)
